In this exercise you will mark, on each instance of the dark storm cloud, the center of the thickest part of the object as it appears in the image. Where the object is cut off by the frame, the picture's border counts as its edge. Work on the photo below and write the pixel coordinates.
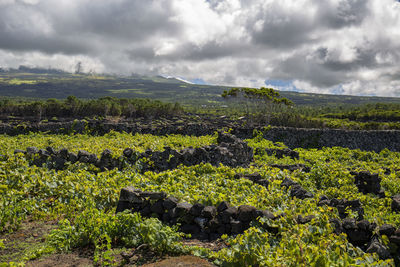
(25, 28)
(48, 45)
(276, 26)
(298, 66)
(343, 14)
(128, 20)
(364, 58)
(284, 35)
(59, 26)
(286, 28)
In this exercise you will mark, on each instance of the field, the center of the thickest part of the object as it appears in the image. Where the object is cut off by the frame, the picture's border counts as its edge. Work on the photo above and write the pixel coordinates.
(61, 214)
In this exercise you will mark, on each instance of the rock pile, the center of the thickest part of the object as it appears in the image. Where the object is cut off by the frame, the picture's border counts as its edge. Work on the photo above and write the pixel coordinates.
(342, 205)
(362, 234)
(292, 167)
(359, 233)
(306, 219)
(230, 151)
(296, 190)
(368, 183)
(396, 203)
(54, 159)
(280, 153)
(202, 222)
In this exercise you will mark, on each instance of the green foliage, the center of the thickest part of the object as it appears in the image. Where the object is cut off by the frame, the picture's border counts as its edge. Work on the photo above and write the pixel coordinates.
(103, 230)
(295, 245)
(85, 201)
(13, 208)
(258, 103)
(74, 107)
(264, 94)
(388, 112)
(261, 106)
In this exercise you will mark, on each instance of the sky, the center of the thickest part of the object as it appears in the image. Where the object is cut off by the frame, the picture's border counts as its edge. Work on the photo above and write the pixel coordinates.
(321, 46)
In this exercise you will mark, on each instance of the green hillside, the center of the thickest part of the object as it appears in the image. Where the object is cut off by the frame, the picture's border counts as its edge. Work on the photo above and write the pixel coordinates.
(43, 83)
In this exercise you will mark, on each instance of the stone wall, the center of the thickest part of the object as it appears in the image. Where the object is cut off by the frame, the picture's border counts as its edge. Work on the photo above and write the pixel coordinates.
(202, 222)
(230, 151)
(210, 222)
(375, 140)
(318, 138)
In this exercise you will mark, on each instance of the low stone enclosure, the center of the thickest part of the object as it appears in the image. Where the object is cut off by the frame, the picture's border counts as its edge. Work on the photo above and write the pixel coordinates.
(210, 222)
(375, 140)
(202, 222)
(230, 151)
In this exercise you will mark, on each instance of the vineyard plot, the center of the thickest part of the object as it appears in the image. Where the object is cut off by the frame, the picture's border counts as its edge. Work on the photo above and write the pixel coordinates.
(324, 228)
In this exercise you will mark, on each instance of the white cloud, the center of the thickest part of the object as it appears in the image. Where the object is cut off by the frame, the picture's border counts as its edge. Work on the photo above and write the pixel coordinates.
(372, 88)
(349, 46)
(58, 61)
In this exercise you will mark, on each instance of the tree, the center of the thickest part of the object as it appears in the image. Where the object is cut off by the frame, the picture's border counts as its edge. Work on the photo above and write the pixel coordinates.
(259, 103)
(37, 108)
(72, 105)
(78, 67)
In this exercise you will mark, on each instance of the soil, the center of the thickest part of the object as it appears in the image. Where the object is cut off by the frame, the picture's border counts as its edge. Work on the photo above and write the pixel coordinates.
(32, 235)
(142, 256)
(61, 260)
(183, 261)
(73, 259)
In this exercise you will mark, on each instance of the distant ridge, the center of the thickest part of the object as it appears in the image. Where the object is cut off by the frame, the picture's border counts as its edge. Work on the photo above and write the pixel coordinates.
(52, 83)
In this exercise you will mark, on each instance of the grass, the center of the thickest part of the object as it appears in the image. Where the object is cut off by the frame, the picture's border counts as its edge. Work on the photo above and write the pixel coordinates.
(19, 82)
(119, 91)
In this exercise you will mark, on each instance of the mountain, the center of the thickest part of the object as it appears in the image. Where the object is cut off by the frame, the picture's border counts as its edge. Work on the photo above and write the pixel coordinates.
(48, 83)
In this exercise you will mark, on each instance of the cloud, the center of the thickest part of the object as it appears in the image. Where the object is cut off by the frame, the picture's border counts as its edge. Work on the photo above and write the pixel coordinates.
(332, 46)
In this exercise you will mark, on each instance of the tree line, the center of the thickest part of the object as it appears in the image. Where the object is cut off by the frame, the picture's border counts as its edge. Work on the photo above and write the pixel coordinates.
(379, 112)
(79, 108)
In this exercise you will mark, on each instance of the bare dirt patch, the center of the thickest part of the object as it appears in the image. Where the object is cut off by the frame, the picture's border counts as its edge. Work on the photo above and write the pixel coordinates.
(30, 235)
(183, 261)
(61, 260)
